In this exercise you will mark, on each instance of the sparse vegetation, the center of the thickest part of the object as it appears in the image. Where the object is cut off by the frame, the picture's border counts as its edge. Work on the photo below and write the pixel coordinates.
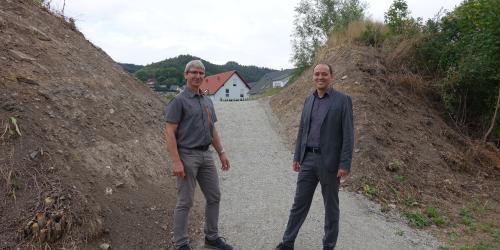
(11, 128)
(370, 191)
(417, 219)
(435, 216)
(399, 178)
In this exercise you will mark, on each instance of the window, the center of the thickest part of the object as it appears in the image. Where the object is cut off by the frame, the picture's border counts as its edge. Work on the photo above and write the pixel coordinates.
(241, 95)
(227, 95)
(227, 91)
(234, 84)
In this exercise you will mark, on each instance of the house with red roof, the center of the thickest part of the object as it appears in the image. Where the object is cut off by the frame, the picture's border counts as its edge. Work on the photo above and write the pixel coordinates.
(226, 86)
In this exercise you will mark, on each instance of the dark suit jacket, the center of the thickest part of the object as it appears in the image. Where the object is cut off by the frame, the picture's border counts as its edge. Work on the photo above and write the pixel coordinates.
(336, 135)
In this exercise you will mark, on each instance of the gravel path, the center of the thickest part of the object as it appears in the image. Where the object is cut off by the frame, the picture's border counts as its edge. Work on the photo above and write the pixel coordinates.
(257, 193)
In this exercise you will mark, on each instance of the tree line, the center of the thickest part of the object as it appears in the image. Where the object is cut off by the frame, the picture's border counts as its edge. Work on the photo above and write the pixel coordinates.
(458, 50)
(171, 71)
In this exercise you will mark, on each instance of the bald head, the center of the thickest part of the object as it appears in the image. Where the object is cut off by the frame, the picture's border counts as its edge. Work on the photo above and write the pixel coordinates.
(325, 64)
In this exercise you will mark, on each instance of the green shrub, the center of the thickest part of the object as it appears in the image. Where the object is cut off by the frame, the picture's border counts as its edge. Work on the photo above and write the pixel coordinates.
(462, 48)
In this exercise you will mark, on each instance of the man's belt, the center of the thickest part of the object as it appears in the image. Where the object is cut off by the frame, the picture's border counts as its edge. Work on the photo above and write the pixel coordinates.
(316, 150)
(201, 148)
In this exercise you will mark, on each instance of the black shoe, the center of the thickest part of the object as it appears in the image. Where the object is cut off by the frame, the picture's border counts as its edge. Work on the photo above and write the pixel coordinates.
(184, 247)
(219, 243)
(282, 246)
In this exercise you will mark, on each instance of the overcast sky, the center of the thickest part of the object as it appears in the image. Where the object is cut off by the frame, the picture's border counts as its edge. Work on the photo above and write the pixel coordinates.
(251, 32)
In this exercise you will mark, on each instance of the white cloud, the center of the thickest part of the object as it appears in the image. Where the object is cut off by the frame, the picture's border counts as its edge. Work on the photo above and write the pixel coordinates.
(249, 32)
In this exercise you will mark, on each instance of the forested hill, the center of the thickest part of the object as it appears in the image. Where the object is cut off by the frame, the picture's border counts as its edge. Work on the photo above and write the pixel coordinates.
(131, 68)
(170, 71)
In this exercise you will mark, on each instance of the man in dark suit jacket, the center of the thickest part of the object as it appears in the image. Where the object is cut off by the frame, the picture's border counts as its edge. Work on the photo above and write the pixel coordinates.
(323, 154)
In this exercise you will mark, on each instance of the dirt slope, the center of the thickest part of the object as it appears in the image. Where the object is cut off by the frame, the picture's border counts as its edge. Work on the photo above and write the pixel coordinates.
(90, 159)
(405, 153)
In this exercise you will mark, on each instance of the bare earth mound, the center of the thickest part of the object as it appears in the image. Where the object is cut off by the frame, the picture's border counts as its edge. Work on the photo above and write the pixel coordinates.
(405, 153)
(82, 158)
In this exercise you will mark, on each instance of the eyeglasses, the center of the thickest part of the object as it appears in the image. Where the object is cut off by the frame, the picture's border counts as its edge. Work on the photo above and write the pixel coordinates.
(201, 73)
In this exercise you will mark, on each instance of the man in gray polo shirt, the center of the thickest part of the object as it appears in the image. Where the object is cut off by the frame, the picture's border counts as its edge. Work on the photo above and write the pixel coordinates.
(189, 131)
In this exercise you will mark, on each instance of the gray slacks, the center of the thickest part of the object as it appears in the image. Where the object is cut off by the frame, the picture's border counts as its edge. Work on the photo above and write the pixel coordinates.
(199, 167)
(309, 176)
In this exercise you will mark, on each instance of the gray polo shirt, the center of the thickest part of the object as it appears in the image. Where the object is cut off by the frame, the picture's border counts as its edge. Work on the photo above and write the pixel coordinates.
(319, 111)
(195, 115)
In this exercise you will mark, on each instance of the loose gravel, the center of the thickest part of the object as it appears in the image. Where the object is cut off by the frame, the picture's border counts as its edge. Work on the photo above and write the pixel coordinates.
(257, 193)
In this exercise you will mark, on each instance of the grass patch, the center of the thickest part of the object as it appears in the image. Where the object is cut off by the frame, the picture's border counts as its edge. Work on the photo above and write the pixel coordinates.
(410, 201)
(417, 219)
(370, 191)
(400, 178)
(435, 216)
(467, 218)
(271, 92)
(480, 246)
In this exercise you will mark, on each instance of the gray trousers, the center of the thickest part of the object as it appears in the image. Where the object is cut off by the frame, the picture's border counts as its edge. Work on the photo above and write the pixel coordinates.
(198, 166)
(307, 180)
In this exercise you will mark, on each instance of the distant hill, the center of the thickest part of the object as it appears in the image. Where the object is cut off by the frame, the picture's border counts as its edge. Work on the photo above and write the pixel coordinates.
(131, 68)
(170, 71)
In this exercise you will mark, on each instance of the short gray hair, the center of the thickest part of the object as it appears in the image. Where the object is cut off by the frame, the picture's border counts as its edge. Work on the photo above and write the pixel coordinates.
(194, 64)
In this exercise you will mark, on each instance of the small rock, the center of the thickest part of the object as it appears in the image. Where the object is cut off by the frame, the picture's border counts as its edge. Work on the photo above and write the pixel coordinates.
(108, 191)
(41, 219)
(356, 82)
(104, 246)
(111, 111)
(21, 56)
(35, 229)
(392, 206)
(43, 235)
(356, 150)
(34, 154)
(49, 201)
(344, 77)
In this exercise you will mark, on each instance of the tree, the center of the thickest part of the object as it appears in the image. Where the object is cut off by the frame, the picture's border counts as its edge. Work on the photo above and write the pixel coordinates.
(315, 21)
(397, 16)
(400, 22)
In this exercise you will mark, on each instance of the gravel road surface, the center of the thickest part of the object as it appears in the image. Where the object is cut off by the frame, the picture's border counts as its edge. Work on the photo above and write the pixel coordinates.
(257, 193)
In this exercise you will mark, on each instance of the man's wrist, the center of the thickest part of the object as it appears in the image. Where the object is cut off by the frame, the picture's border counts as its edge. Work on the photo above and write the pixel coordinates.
(221, 151)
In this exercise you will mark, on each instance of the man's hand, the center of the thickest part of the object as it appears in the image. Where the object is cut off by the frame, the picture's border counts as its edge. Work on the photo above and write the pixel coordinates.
(296, 166)
(342, 173)
(224, 162)
(178, 169)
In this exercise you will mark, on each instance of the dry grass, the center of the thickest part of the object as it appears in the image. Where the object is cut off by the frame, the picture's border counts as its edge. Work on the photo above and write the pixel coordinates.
(351, 35)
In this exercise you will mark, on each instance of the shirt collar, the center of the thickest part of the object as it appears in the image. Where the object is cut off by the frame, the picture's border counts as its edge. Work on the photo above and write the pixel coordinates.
(328, 93)
(190, 93)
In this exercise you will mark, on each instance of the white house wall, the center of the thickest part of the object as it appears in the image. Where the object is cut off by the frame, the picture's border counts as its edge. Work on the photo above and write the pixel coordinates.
(236, 88)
